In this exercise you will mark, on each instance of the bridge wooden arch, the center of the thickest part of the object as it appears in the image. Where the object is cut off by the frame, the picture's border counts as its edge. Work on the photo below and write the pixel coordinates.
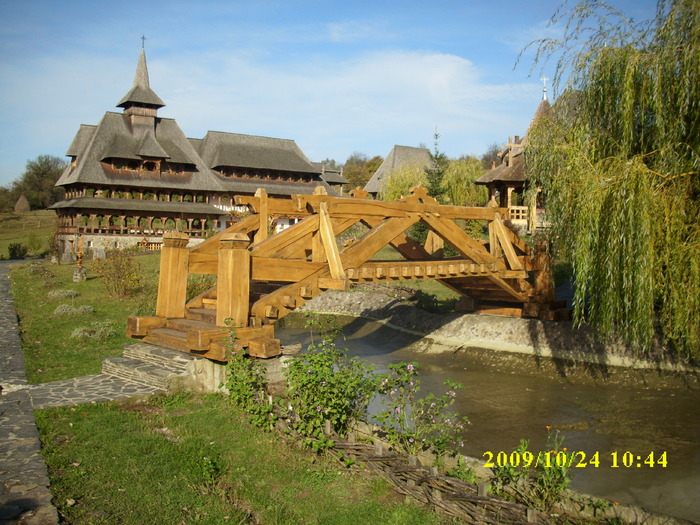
(261, 277)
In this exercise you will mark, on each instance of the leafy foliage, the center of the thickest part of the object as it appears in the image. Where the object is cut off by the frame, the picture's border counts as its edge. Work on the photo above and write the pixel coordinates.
(539, 478)
(325, 384)
(399, 182)
(458, 183)
(17, 250)
(359, 168)
(246, 383)
(412, 423)
(617, 160)
(37, 184)
(119, 272)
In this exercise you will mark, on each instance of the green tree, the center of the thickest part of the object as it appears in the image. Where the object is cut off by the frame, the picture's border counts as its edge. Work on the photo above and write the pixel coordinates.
(359, 168)
(458, 183)
(436, 171)
(398, 182)
(490, 156)
(37, 183)
(620, 172)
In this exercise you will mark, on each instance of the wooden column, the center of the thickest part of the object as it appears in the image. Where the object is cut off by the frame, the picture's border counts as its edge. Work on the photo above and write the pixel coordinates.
(233, 286)
(172, 283)
(262, 211)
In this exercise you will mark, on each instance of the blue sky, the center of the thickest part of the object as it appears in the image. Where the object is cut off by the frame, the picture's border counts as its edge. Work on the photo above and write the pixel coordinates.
(336, 77)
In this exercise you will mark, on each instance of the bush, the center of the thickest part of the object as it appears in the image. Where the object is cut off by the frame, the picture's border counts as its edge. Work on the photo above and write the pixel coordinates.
(17, 250)
(62, 294)
(119, 272)
(66, 310)
(325, 384)
(97, 331)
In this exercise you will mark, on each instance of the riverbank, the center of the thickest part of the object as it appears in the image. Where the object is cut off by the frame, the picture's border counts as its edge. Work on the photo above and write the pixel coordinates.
(551, 348)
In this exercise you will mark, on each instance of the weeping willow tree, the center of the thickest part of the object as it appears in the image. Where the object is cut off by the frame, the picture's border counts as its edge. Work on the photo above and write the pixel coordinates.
(617, 162)
(458, 183)
(399, 182)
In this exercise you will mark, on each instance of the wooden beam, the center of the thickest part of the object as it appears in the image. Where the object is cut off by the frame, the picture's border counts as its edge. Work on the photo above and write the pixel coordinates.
(286, 238)
(263, 215)
(211, 245)
(365, 208)
(335, 265)
(459, 239)
(504, 241)
(378, 237)
(284, 270)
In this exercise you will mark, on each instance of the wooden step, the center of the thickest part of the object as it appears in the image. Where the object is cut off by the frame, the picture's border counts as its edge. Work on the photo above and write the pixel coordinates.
(205, 315)
(185, 325)
(209, 303)
(168, 338)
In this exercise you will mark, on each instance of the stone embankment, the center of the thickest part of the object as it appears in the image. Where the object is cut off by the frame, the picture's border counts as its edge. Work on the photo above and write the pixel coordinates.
(543, 347)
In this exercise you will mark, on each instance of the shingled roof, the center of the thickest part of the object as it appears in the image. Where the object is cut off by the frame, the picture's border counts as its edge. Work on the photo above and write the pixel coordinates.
(126, 206)
(141, 92)
(220, 149)
(399, 156)
(115, 137)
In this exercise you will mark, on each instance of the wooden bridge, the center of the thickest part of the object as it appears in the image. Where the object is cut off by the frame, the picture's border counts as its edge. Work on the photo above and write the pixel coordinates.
(262, 277)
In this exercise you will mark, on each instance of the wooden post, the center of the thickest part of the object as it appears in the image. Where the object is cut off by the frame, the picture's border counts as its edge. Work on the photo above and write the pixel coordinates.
(263, 212)
(233, 287)
(172, 283)
(494, 245)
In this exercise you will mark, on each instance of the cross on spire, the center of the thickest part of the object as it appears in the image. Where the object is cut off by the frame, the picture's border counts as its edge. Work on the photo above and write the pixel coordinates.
(544, 87)
(143, 41)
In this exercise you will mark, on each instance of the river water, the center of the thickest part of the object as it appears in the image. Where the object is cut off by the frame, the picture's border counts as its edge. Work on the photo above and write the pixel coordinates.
(504, 407)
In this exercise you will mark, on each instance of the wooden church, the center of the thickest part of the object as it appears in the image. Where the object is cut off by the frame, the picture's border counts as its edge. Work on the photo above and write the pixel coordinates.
(135, 175)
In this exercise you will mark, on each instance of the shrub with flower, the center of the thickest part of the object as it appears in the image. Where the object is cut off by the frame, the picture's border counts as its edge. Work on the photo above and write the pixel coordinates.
(245, 381)
(537, 483)
(325, 384)
(413, 423)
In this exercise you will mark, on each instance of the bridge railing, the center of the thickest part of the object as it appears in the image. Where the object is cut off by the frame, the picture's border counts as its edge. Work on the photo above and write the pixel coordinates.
(306, 254)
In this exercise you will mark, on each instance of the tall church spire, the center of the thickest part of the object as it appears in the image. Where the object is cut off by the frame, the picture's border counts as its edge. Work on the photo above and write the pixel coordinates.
(141, 95)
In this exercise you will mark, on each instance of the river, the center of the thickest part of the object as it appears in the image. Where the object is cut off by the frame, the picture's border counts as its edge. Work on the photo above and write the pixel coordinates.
(608, 419)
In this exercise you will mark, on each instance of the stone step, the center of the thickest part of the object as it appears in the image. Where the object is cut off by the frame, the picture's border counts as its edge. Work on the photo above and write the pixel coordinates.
(169, 338)
(138, 372)
(173, 360)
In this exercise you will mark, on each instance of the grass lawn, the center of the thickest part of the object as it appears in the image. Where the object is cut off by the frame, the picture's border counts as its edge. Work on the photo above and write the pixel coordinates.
(172, 460)
(34, 229)
(50, 351)
(195, 459)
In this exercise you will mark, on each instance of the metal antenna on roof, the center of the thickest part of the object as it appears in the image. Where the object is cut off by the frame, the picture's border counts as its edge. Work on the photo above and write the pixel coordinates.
(544, 87)
(143, 41)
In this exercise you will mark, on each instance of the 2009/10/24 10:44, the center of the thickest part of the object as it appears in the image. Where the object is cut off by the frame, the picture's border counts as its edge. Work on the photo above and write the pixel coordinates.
(578, 459)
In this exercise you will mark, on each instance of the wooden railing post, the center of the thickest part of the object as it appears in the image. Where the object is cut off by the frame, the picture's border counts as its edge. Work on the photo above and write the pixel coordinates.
(172, 282)
(233, 286)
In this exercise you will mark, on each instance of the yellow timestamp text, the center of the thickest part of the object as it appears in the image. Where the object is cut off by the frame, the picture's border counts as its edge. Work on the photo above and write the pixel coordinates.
(577, 459)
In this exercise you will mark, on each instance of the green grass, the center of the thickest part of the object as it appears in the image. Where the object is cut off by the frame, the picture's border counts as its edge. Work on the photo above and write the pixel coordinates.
(50, 353)
(183, 459)
(196, 460)
(34, 229)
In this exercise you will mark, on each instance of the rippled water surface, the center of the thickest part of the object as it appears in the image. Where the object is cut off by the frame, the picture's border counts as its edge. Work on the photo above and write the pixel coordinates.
(505, 407)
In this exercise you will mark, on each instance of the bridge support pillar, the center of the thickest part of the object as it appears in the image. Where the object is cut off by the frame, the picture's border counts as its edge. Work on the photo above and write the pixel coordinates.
(233, 287)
